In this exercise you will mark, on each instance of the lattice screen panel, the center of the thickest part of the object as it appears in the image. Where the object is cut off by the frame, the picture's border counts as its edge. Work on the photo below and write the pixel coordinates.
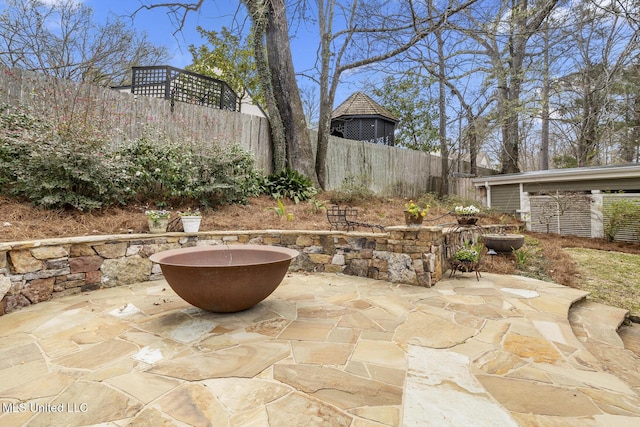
(179, 85)
(565, 215)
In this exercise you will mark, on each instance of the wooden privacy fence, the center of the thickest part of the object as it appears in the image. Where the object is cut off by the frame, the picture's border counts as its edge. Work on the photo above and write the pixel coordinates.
(117, 116)
(392, 171)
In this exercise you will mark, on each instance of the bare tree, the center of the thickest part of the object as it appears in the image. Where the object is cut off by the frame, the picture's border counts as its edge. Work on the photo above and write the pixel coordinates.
(350, 48)
(271, 42)
(285, 87)
(311, 104)
(61, 39)
(278, 138)
(442, 108)
(446, 56)
(604, 43)
(544, 107)
(370, 32)
(503, 33)
(472, 109)
(630, 90)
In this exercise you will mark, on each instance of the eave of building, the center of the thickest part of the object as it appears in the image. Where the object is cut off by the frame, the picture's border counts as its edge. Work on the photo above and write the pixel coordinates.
(562, 175)
(347, 118)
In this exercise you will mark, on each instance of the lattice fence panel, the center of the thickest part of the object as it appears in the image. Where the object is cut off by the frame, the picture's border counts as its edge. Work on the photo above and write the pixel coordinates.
(183, 86)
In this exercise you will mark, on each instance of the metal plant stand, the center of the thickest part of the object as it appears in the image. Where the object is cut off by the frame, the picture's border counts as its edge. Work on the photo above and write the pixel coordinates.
(461, 235)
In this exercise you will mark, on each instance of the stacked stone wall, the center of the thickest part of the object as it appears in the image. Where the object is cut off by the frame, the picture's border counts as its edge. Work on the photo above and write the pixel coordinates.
(36, 271)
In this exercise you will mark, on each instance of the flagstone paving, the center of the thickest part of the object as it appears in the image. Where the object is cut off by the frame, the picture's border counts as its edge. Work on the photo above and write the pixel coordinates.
(324, 350)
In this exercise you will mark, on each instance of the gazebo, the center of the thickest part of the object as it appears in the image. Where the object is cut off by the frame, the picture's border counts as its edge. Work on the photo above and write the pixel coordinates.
(362, 119)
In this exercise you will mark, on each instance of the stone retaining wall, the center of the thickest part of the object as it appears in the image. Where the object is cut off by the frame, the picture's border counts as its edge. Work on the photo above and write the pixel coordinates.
(36, 271)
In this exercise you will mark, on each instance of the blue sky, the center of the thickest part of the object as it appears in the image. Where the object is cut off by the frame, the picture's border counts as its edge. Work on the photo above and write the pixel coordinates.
(158, 26)
(213, 15)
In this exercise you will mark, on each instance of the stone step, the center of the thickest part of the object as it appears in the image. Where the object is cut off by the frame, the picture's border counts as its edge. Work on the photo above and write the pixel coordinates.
(630, 334)
(595, 321)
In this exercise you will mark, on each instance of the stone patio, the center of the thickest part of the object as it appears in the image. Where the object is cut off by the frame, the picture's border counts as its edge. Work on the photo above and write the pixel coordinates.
(324, 350)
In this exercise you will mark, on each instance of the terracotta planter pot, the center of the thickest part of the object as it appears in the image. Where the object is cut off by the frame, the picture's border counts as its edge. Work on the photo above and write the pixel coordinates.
(411, 220)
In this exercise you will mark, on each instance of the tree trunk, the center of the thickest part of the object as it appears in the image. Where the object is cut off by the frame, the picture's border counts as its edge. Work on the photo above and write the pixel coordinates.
(285, 90)
(544, 133)
(442, 107)
(324, 131)
(524, 22)
(278, 141)
(589, 134)
(511, 146)
(508, 117)
(327, 94)
(473, 147)
(634, 144)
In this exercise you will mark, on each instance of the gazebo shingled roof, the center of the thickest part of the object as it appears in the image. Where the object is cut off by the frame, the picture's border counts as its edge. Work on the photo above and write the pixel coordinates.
(360, 118)
(360, 104)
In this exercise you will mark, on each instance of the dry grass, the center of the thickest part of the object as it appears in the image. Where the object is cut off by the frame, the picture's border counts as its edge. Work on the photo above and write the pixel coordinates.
(21, 221)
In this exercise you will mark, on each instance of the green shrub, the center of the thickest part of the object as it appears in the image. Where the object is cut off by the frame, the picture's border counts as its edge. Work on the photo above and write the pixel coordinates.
(212, 176)
(620, 214)
(54, 170)
(19, 130)
(289, 183)
(154, 167)
(525, 256)
(62, 173)
(57, 168)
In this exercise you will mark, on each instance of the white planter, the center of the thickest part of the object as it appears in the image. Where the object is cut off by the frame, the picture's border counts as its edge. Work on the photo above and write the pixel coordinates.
(191, 224)
(159, 226)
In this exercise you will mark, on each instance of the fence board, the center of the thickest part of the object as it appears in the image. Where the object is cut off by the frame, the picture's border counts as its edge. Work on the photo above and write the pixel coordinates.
(122, 116)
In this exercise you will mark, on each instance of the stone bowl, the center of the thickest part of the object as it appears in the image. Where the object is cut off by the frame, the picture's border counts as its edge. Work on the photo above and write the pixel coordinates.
(503, 242)
(222, 278)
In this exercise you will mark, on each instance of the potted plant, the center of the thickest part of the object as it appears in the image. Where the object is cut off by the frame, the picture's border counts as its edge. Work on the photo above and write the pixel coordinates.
(414, 214)
(190, 220)
(158, 220)
(467, 254)
(467, 259)
(467, 215)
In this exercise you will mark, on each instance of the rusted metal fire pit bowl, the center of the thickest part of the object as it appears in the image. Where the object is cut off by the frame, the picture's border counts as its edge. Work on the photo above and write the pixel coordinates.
(503, 242)
(225, 279)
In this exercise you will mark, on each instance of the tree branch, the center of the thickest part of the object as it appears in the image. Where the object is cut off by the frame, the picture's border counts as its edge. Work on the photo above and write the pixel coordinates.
(178, 11)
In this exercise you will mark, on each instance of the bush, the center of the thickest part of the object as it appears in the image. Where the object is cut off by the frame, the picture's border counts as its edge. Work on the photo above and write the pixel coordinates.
(620, 214)
(154, 167)
(289, 183)
(55, 168)
(19, 130)
(215, 176)
(65, 173)
(209, 175)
